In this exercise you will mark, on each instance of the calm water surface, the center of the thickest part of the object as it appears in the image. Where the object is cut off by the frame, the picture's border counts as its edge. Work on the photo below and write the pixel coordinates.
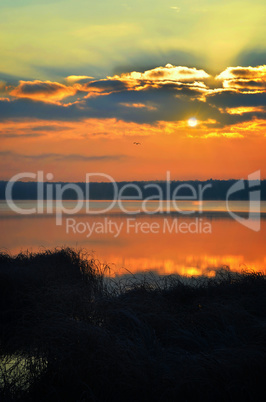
(192, 244)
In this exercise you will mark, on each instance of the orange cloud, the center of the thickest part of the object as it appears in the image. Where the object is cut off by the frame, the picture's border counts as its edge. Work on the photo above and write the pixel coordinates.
(167, 73)
(244, 109)
(45, 91)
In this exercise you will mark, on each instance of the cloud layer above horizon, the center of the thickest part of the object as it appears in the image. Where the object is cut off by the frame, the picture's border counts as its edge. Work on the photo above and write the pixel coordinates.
(165, 93)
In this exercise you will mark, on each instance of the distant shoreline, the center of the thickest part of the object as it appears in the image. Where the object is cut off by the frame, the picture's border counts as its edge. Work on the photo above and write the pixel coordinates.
(215, 190)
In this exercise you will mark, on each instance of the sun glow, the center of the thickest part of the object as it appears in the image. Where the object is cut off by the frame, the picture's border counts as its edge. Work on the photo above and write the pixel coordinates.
(192, 122)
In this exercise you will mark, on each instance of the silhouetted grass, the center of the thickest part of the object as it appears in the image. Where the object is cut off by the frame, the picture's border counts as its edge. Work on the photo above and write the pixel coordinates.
(69, 335)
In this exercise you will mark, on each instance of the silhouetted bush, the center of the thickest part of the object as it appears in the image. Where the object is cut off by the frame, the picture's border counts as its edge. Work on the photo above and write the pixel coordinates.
(69, 334)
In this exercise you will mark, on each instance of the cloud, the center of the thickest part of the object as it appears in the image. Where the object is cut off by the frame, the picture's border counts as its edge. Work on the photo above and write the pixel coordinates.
(169, 93)
(225, 135)
(167, 73)
(250, 85)
(52, 128)
(45, 91)
(242, 72)
(78, 157)
(30, 129)
(232, 98)
(216, 134)
(23, 135)
(61, 157)
(138, 105)
(245, 109)
(244, 78)
(103, 87)
(78, 78)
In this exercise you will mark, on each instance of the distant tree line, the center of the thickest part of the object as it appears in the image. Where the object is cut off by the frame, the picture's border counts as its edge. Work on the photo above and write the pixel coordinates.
(212, 190)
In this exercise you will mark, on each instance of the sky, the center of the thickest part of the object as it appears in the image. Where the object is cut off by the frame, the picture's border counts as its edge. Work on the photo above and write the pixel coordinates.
(81, 82)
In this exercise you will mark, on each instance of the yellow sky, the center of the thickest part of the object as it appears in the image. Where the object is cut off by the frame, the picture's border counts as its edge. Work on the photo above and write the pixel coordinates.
(81, 81)
(46, 39)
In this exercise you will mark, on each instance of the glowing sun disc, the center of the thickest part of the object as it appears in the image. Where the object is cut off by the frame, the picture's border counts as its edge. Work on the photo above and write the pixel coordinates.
(192, 122)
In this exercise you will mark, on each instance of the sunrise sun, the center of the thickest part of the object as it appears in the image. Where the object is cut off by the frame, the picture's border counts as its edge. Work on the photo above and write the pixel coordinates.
(192, 122)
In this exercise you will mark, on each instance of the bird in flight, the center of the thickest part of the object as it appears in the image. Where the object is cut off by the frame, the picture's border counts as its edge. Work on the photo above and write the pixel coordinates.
(136, 143)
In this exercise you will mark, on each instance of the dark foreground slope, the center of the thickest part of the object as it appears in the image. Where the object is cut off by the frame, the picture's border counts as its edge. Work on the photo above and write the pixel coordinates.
(65, 336)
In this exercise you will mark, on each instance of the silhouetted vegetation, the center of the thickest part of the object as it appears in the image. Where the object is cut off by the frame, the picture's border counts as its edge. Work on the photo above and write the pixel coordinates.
(69, 334)
(216, 190)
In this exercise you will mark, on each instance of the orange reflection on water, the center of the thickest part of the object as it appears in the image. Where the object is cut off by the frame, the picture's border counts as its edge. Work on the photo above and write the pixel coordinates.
(229, 244)
(207, 265)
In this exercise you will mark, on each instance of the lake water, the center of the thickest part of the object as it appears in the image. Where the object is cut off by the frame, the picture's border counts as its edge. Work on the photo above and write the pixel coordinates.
(165, 242)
